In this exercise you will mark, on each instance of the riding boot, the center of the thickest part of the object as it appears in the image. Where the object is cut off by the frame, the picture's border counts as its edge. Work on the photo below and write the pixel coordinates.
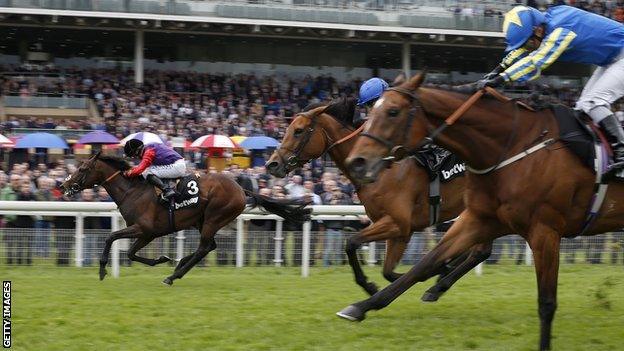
(611, 125)
(167, 190)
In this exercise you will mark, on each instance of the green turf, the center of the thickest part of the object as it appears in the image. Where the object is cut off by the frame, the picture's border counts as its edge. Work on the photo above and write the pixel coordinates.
(275, 309)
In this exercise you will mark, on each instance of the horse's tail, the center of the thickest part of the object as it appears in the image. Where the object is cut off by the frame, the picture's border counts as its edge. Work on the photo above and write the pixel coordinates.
(292, 210)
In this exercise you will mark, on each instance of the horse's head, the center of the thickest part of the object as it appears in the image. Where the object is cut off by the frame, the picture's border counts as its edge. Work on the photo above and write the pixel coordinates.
(395, 122)
(302, 142)
(85, 177)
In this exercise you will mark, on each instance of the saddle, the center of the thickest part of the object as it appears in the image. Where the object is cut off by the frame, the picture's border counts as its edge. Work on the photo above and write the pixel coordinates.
(583, 138)
(187, 192)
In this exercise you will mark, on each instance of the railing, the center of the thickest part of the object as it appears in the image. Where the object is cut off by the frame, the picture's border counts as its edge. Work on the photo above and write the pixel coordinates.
(46, 102)
(242, 243)
(407, 13)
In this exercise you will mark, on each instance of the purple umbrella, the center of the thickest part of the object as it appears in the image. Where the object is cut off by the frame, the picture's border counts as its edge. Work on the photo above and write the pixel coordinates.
(98, 137)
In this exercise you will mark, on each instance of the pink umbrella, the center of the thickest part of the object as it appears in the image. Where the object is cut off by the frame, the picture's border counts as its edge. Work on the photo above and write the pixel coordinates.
(212, 141)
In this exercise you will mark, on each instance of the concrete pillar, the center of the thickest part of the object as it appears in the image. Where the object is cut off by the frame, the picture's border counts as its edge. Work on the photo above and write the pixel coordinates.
(139, 43)
(406, 60)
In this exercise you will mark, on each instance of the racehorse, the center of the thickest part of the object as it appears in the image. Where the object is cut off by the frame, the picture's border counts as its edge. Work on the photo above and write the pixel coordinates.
(398, 203)
(543, 195)
(221, 200)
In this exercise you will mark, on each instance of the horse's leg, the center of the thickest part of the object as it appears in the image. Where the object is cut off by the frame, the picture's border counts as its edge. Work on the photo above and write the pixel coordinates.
(468, 231)
(395, 248)
(545, 243)
(183, 261)
(138, 245)
(381, 229)
(477, 254)
(132, 231)
(206, 244)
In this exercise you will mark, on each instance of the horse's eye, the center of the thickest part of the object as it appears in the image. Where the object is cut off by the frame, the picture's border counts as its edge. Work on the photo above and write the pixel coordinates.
(298, 132)
(393, 113)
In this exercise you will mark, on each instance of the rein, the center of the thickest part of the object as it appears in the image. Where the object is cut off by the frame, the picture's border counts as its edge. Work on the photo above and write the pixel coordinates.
(111, 177)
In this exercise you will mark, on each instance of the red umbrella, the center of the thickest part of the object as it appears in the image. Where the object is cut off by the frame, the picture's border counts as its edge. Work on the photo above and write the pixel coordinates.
(212, 141)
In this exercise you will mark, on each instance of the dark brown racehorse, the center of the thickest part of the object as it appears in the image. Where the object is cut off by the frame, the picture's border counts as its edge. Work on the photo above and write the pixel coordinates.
(398, 203)
(221, 200)
(543, 197)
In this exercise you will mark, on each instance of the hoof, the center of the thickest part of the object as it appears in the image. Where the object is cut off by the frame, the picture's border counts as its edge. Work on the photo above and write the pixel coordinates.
(163, 259)
(371, 288)
(352, 313)
(168, 281)
(430, 296)
(102, 274)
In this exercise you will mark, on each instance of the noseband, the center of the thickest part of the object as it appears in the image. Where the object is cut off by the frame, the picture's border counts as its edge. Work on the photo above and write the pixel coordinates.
(410, 120)
(295, 159)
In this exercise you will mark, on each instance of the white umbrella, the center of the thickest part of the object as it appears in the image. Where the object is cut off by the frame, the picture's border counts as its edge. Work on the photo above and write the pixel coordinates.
(5, 140)
(145, 137)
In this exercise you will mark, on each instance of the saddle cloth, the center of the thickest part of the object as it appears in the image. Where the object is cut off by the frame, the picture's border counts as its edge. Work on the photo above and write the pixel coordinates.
(187, 192)
(439, 162)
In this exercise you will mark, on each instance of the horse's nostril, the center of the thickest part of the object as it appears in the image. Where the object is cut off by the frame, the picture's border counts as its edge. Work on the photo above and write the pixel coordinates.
(272, 165)
(357, 167)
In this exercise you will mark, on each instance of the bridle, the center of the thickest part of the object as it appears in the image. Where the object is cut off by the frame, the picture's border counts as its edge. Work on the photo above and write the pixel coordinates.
(78, 185)
(392, 147)
(295, 159)
(398, 151)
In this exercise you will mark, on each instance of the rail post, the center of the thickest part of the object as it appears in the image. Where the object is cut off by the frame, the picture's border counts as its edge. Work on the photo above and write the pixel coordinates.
(279, 240)
(239, 242)
(305, 250)
(79, 242)
(372, 259)
(115, 248)
(180, 245)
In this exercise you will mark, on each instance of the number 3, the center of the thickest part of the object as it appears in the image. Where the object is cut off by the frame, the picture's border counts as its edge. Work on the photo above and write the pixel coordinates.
(193, 189)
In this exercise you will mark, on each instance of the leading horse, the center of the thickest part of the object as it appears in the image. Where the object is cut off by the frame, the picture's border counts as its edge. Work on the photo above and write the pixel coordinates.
(542, 196)
(221, 200)
(398, 203)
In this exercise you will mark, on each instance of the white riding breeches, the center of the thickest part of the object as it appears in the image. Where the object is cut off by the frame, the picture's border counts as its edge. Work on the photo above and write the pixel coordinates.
(605, 86)
(174, 170)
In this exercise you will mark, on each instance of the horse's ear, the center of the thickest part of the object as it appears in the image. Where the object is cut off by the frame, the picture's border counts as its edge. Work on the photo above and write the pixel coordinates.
(400, 79)
(315, 111)
(416, 80)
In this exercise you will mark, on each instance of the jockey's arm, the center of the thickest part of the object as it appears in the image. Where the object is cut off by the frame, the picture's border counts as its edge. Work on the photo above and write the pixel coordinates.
(531, 66)
(146, 161)
(512, 57)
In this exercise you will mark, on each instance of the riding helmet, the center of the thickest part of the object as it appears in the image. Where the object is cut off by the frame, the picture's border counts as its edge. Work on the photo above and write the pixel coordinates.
(133, 147)
(518, 25)
(371, 90)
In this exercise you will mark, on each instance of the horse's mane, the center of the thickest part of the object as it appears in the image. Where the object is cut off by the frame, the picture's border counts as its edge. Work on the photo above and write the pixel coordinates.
(341, 109)
(115, 162)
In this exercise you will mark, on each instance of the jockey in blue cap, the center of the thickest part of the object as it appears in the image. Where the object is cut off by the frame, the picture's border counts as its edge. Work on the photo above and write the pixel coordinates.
(157, 161)
(535, 40)
(370, 91)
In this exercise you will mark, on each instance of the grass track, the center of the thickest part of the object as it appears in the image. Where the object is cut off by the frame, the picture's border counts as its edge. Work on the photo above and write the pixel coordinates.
(275, 309)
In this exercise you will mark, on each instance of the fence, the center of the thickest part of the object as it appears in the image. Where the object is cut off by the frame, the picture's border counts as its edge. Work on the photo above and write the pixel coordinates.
(76, 237)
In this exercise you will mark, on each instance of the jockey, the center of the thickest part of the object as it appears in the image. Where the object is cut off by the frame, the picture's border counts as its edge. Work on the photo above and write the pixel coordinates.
(535, 40)
(370, 91)
(157, 161)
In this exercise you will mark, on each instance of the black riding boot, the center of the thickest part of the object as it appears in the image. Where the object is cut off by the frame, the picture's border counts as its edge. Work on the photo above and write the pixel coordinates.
(167, 190)
(611, 125)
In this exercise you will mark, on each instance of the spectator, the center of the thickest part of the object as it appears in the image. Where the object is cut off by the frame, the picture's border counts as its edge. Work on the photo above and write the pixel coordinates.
(333, 250)
(43, 224)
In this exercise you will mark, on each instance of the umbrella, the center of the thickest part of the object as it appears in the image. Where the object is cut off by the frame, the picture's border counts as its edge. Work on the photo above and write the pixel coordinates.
(214, 141)
(145, 137)
(98, 137)
(238, 138)
(41, 140)
(259, 143)
(5, 142)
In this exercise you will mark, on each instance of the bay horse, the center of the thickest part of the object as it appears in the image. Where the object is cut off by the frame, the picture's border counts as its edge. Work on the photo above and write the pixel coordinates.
(542, 196)
(398, 203)
(221, 200)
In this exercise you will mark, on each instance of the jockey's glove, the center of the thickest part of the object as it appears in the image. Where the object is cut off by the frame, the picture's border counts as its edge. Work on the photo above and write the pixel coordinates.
(494, 82)
(495, 72)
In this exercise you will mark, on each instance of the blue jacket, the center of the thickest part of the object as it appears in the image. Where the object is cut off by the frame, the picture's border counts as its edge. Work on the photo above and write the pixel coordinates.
(571, 35)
